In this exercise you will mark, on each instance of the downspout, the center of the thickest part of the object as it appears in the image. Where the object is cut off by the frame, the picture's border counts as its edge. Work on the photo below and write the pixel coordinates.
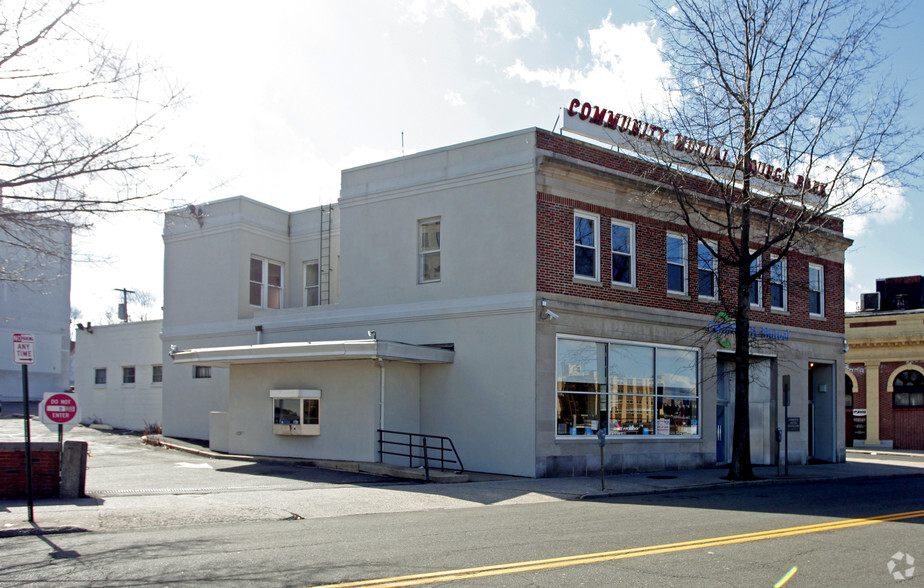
(381, 363)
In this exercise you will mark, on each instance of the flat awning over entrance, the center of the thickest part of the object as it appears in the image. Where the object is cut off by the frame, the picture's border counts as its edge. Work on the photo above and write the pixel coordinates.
(315, 351)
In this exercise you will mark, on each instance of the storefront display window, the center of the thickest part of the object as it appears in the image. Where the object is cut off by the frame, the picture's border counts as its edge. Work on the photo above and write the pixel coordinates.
(643, 389)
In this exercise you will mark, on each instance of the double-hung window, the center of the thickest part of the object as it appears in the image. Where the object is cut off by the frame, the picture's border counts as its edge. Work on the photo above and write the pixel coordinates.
(428, 250)
(99, 376)
(676, 263)
(708, 270)
(157, 374)
(778, 288)
(312, 284)
(757, 286)
(816, 290)
(265, 283)
(128, 375)
(586, 245)
(623, 252)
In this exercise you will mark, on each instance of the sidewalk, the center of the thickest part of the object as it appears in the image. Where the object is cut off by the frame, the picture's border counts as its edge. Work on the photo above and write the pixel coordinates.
(280, 499)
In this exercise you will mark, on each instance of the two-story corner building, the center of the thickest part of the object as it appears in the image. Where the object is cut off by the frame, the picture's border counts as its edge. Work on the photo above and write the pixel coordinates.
(506, 293)
(885, 366)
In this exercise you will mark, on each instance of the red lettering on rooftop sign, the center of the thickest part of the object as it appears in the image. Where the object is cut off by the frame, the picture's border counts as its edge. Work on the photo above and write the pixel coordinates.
(709, 153)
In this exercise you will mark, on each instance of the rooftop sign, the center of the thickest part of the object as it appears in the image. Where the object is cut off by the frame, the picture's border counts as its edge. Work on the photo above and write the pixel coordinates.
(632, 133)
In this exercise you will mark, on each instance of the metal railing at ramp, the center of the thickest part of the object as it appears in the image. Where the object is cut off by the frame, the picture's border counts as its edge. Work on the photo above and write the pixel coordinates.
(420, 450)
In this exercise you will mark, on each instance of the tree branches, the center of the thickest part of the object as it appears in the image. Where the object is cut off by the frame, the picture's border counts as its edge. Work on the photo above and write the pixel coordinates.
(78, 119)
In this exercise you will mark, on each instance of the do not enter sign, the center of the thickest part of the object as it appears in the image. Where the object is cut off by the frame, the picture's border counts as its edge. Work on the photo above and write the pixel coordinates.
(59, 408)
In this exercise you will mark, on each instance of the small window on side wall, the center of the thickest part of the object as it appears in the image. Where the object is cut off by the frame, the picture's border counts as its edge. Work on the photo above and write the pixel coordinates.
(99, 376)
(202, 371)
(157, 374)
(296, 412)
(428, 250)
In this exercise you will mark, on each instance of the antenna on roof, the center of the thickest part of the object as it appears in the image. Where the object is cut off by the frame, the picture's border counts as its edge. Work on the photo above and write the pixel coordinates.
(402, 143)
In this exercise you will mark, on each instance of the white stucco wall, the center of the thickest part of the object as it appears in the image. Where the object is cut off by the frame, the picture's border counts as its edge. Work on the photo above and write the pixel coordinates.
(35, 299)
(113, 347)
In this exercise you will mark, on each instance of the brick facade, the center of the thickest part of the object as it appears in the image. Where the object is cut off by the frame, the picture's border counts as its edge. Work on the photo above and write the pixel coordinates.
(555, 269)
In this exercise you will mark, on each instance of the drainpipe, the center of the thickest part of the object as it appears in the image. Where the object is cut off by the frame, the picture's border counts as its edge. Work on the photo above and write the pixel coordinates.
(381, 363)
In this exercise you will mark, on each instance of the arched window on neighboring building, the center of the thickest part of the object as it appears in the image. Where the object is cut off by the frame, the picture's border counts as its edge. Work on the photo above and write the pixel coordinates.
(848, 392)
(908, 390)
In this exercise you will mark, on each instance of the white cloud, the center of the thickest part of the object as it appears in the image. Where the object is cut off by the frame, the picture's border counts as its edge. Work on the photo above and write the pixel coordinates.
(511, 19)
(625, 68)
(454, 98)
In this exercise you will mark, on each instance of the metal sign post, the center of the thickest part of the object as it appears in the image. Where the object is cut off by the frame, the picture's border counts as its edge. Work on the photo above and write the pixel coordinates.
(786, 418)
(24, 353)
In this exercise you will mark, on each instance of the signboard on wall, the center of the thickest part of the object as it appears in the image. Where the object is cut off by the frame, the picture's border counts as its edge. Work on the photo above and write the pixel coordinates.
(859, 424)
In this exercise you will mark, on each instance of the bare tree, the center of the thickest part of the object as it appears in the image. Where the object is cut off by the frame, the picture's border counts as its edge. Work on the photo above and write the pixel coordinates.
(77, 123)
(780, 127)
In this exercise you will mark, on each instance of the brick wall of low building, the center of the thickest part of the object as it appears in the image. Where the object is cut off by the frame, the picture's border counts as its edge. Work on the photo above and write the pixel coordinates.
(46, 477)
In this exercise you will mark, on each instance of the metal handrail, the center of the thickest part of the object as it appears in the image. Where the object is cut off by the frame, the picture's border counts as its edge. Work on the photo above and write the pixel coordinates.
(423, 456)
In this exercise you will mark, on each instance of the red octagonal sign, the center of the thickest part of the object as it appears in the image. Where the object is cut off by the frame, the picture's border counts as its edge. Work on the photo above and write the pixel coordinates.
(60, 408)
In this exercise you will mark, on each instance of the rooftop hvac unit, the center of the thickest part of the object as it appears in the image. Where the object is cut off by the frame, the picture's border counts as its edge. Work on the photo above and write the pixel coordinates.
(870, 301)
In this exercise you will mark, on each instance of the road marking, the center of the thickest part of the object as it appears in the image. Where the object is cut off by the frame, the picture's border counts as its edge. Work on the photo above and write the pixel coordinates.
(787, 577)
(588, 558)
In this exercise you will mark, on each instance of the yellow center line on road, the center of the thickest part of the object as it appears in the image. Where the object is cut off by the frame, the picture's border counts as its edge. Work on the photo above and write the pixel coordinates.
(575, 560)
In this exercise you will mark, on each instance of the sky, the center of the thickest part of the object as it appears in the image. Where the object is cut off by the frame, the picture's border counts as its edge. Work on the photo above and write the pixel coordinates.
(281, 98)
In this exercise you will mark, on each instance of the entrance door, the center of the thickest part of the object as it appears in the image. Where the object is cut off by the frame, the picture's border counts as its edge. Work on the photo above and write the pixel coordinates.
(822, 415)
(761, 413)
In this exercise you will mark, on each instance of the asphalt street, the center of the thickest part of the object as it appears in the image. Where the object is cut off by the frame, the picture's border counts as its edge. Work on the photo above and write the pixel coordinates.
(165, 517)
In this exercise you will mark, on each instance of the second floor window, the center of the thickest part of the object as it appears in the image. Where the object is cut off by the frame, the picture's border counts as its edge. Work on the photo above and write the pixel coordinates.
(676, 263)
(707, 265)
(623, 246)
(428, 250)
(128, 375)
(265, 283)
(816, 290)
(99, 376)
(586, 245)
(778, 288)
(757, 286)
(157, 373)
(312, 284)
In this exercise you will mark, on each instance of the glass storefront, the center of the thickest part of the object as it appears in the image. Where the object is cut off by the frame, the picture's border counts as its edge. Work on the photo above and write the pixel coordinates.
(637, 389)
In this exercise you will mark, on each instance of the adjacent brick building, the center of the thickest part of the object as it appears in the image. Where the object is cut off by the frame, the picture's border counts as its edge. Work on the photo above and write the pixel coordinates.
(885, 366)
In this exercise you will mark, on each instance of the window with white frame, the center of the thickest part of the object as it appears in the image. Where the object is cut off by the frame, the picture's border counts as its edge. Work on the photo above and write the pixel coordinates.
(428, 250)
(779, 291)
(312, 283)
(622, 238)
(676, 263)
(99, 376)
(265, 283)
(586, 245)
(296, 412)
(708, 267)
(157, 374)
(646, 390)
(128, 375)
(816, 290)
(757, 286)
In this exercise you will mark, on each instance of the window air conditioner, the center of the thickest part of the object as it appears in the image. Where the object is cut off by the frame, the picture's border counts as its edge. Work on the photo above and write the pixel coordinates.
(870, 301)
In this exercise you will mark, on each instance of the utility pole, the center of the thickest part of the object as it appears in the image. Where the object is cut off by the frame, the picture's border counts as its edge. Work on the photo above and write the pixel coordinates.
(123, 308)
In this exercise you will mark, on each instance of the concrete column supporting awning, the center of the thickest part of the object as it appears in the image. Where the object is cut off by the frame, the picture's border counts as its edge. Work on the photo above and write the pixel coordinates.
(315, 351)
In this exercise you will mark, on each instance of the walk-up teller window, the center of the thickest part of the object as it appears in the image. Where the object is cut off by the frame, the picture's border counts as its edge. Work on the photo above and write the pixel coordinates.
(296, 412)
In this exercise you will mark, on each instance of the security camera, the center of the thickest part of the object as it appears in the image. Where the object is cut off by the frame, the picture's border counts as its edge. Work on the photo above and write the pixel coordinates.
(548, 315)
